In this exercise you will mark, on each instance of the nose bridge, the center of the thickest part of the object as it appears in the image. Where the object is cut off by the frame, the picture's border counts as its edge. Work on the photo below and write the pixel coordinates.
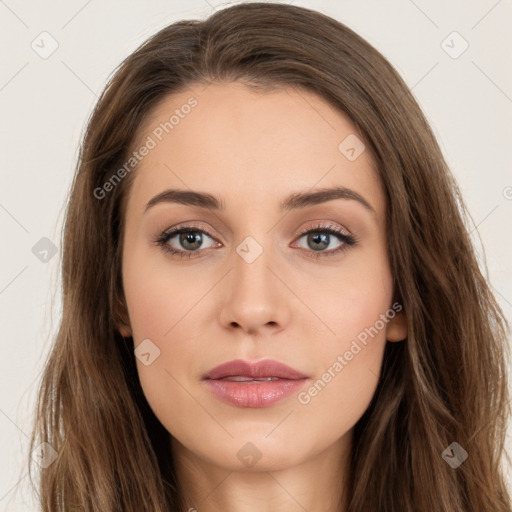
(255, 294)
(251, 275)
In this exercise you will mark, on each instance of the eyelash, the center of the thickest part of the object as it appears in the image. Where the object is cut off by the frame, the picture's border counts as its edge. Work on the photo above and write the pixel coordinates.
(348, 240)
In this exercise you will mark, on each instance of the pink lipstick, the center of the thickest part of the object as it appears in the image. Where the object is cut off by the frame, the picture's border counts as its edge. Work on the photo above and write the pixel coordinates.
(254, 384)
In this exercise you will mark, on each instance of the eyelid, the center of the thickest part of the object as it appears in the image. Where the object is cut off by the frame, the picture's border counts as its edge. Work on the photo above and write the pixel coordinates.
(187, 226)
(320, 224)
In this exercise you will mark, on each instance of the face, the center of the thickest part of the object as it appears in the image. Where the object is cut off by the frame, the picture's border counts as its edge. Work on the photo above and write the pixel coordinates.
(262, 274)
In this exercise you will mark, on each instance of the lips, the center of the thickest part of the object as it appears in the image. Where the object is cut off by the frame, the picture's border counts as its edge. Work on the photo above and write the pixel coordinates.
(261, 370)
(254, 384)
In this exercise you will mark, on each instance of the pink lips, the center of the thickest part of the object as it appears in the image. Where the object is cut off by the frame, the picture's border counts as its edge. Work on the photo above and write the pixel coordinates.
(254, 384)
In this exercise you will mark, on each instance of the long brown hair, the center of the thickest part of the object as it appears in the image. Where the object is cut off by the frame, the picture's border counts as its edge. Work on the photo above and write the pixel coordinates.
(447, 382)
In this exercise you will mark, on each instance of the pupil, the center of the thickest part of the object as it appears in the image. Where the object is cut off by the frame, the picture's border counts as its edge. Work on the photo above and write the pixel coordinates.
(191, 238)
(321, 238)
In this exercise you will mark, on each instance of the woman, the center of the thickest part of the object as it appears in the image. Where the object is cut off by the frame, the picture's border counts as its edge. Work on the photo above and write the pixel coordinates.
(326, 342)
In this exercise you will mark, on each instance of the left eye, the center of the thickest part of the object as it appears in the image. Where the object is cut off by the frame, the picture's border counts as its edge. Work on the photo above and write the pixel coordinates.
(318, 240)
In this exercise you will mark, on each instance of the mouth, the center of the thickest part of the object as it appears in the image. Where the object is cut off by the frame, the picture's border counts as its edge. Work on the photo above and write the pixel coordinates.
(253, 384)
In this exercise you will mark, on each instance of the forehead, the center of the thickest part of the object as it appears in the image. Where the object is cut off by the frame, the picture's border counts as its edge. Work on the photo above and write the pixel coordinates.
(253, 147)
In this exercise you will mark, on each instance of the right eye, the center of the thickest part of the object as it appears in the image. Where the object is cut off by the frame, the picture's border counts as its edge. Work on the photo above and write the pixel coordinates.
(190, 238)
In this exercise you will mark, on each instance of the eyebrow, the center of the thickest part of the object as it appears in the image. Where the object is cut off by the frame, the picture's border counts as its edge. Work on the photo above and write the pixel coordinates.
(296, 200)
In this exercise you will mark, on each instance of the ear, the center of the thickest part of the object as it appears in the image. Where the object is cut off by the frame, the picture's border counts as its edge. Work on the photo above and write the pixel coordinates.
(122, 319)
(124, 330)
(396, 329)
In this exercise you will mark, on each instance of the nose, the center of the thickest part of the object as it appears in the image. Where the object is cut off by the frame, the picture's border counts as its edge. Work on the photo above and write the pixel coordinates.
(255, 297)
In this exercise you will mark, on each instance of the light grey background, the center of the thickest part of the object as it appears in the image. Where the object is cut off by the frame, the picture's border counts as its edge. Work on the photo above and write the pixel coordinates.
(45, 103)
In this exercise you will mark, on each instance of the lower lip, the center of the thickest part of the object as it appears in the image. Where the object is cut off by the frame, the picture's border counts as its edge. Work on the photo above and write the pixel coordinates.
(254, 393)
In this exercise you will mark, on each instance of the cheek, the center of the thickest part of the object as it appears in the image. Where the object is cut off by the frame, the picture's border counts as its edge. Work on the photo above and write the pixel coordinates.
(163, 303)
(355, 300)
(355, 312)
(158, 295)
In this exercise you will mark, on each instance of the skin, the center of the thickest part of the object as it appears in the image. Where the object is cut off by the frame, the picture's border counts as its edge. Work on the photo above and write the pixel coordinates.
(253, 149)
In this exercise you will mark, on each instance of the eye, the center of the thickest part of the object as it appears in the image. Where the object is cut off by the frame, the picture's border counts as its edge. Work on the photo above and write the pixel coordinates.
(320, 237)
(190, 238)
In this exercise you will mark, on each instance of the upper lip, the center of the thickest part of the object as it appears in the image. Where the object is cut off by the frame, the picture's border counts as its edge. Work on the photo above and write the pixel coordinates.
(265, 368)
